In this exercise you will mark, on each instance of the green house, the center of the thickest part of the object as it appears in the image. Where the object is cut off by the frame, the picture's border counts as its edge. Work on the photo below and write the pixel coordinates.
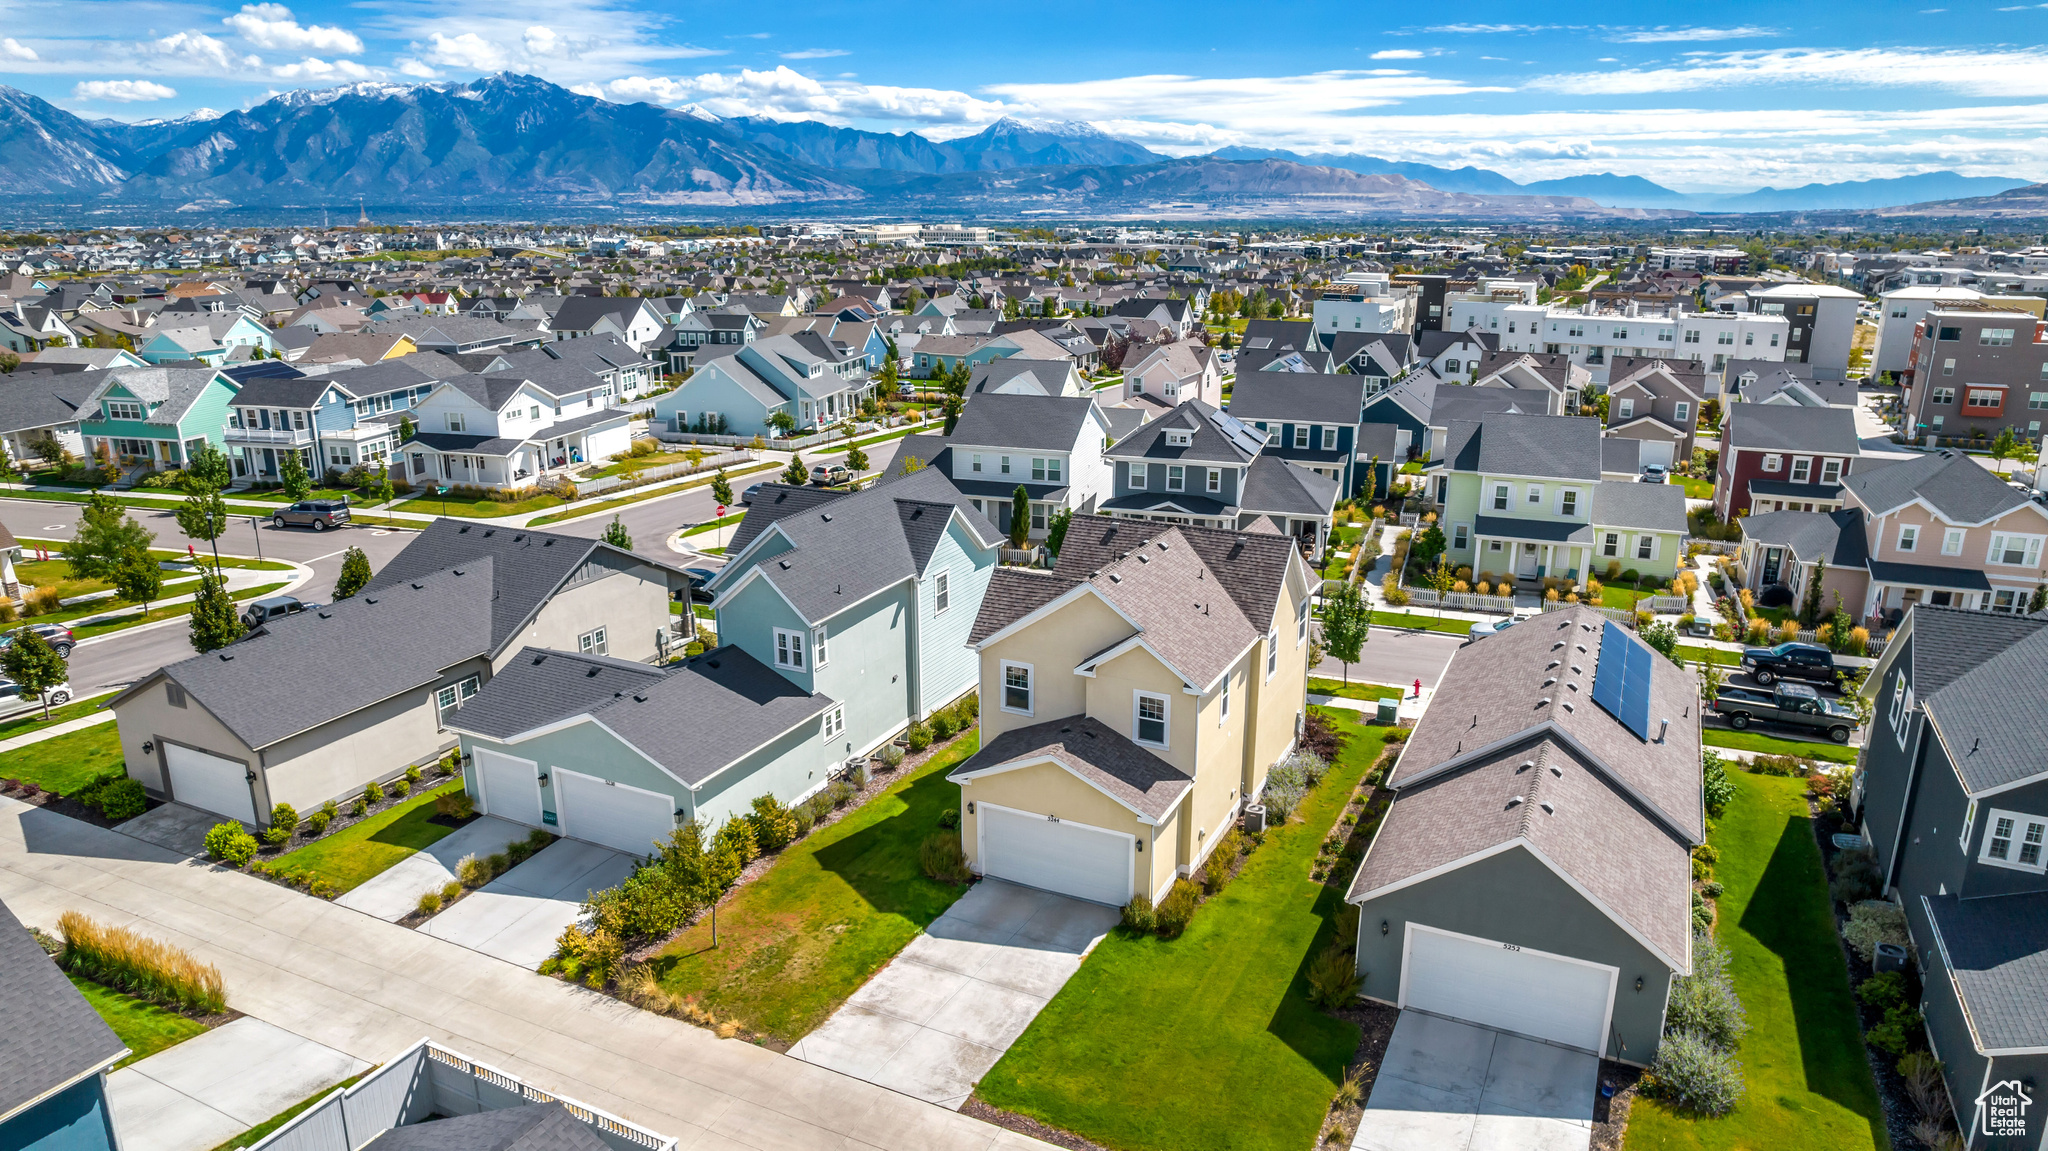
(155, 416)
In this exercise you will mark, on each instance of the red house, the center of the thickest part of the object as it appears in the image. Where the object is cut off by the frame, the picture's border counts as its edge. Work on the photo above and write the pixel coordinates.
(1779, 457)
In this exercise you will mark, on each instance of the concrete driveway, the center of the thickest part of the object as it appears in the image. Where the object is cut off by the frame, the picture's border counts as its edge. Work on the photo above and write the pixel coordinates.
(517, 916)
(933, 1021)
(392, 895)
(215, 1086)
(1450, 1086)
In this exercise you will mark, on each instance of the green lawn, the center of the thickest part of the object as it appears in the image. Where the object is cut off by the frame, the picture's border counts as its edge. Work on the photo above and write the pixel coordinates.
(356, 853)
(33, 721)
(1694, 489)
(136, 616)
(143, 1027)
(1356, 689)
(1208, 1040)
(1808, 1083)
(67, 762)
(256, 1134)
(484, 509)
(1772, 745)
(578, 511)
(56, 548)
(1693, 653)
(277, 496)
(1452, 625)
(838, 905)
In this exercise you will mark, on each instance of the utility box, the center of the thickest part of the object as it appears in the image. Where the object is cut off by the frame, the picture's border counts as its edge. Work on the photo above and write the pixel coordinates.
(1889, 957)
(1390, 712)
(1254, 818)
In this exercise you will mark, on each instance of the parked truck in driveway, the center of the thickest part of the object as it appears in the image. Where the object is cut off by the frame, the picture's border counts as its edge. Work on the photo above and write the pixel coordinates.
(1790, 661)
(1786, 704)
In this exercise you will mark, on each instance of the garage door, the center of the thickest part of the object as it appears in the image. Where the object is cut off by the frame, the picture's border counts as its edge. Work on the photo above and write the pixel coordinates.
(1070, 858)
(1658, 452)
(210, 783)
(1495, 985)
(508, 787)
(614, 815)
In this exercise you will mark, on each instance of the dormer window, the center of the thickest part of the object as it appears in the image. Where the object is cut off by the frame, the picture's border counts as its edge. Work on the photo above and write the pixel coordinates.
(1178, 438)
(124, 410)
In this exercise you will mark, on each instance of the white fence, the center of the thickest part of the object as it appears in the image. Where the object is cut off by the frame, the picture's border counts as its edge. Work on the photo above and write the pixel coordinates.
(429, 1081)
(1463, 601)
(1625, 618)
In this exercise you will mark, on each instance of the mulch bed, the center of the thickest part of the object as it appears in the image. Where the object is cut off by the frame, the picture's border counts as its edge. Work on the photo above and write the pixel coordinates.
(1610, 1112)
(1375, 1023)
(35, 796)
(975, 1108)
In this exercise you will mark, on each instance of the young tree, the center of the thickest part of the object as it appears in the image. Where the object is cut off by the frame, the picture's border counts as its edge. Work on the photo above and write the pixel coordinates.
(138, 579)
(106, 535)
(204, 517)
(1346, 620)
(207, 470)
(1441, 577)
(721, 489)
(355, 573)
(856, 459)
(406, 428)
(2005, 447)
(782, 421)
(1020, 516)
(214, 622)
(796, 474)
(1428, 544)
(1056, 529)
(291, 472)
(615, 534)
(1809, 608)
(31, 662)
(1371, 485)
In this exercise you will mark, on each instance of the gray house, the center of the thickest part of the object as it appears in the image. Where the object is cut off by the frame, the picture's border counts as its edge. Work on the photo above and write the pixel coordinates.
(1198, 465)
(1534, 872)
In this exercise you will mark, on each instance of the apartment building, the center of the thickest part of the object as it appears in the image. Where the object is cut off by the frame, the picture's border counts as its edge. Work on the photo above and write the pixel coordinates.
(1366, 302)
(1820, 321)
(1975, 373)
(1595, 334)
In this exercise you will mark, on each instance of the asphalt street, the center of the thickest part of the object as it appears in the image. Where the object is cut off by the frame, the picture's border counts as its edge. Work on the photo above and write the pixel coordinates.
(1399, 657)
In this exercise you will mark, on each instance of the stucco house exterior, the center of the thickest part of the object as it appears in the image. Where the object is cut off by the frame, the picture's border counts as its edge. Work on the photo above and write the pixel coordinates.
(1533, 874)
(1657, 404)
(1051, 446)
(1133, 700)
(509, 431)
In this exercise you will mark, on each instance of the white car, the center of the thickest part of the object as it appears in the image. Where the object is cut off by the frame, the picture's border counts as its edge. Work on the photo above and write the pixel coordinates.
(13, 700)
(1485, 628)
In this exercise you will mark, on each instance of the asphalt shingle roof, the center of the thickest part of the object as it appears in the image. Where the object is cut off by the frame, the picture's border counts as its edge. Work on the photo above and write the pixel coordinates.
(1281, 487)
(1216, 437)
(534, 1127)
(1051, 423)
(1997, 953)
(1835, 536)
(1990, 716)
(1297, 397)
(1650, 507)
(52, 1036)
(1557, 447)
(1784, 428)
(1957, 487)
(1947, 642)
(1097, 753)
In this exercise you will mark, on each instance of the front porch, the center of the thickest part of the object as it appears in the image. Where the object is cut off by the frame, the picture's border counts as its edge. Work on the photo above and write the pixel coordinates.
(1896, 587)
(1532, 549)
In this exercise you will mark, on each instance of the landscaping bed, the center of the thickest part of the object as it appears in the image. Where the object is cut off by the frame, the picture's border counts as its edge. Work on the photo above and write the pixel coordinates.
(331, 856)
(65, 774)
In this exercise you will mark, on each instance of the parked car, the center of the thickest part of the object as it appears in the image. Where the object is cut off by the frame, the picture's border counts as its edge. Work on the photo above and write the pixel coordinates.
(316, 514)
(1485, 628)
(55, 634)
(274, 607)
(14, 700)
(1786, 704)
(698, 578)
(747, 497)
(828, 475)
(1654, 474)
(1789, 661)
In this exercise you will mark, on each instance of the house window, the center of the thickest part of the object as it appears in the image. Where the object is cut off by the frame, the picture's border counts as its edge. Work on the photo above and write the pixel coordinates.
(1969, 825)
(1908, 533)
(2015, 840)
(1830, 471)
(1942, 395)
(1461, 536)
(1646, 547)
(1215, 479)
(1995, 337)
(533, 412)
(123, 410)
(1135, 475)
(1301, 622)
(1624, 409)
(1017, 688)
(1004, 465)
(2015, 550)
(1952, 542)
(1682, 413)
(1948, 368)
(789, 649)
(1150, 725)
(1329, 439)
(1272, 653)
(1568, 503)
(174, 695)
(942, 592)
(835, 723)
(1225, 714)
(454, 421)
(1984, 398)
(1773, 463)
(592, 642)
(1500, 497)
(1045, 470)
(1800, 468)
(2038, 400)
(1612, 545)
(976, 464)
(1176, 478)
(1535, 493)
(817, 648)
(1300, 435)
(1038, 517)
(450, 698)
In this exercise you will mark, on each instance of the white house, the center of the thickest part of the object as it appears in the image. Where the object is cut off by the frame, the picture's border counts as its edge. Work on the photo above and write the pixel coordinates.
(508, 432)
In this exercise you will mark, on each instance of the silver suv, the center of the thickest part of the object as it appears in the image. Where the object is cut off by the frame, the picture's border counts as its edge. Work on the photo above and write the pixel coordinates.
(316, 514)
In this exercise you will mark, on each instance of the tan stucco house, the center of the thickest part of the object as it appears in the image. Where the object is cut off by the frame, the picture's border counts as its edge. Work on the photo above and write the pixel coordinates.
(1133, 699)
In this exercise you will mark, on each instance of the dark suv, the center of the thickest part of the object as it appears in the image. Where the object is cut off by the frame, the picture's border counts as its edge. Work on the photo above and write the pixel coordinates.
(1790, 661)
(55, 634)
(274, 607)
(316, 514)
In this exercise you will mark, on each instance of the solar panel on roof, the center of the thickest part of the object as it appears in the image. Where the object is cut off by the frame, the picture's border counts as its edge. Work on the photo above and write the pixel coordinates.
(1621, 678)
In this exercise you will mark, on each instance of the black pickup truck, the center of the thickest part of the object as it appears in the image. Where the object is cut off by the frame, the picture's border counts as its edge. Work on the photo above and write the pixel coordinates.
(1790, 704)
(1789, 661)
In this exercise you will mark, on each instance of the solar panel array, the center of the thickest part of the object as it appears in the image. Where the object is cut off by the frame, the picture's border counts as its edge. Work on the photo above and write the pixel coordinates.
(1621, 678)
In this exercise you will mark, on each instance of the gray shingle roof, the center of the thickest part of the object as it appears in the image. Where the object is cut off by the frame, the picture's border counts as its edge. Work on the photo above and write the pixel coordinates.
(538, 687)
(52, 1035)
(1014, 593)
(1024, 422)
(1650, 507)
(1297, 397)
(1835, 536)
(42, 400)
(1928, 575)
(534, 1127)
(1990, 716)
(775, 501)
(1094, 751)
(1281, 487)
(173, 389)
(1958, 487)
(1557, 447)
(1784, 428)
(1998, 957)
(1948, 642)
(1217, 437)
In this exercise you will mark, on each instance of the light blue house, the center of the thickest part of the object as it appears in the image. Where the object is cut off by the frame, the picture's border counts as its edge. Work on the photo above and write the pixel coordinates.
(155, 417)
(209, 338)
(866, 597)
(815, 380)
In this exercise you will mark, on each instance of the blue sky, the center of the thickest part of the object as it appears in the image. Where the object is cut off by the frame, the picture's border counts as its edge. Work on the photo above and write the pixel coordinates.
(1827, 90)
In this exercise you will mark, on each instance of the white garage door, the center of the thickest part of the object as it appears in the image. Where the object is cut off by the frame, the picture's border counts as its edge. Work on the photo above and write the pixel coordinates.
(508, 787)
(1658, 452)
(1495, 985)
(615, 815)
(210, 783)
(1070, 858)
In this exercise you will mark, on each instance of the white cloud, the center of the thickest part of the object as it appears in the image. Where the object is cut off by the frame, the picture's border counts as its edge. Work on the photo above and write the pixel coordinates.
(814, 53)
(121, 91)
(469, 51)
(1397, 54)
(541, 40)
(410, 66)
(198, 53)
(1679, 35)
(788, 94)
(313, 68)
(2013, 72)
(274, 26)
(14, 49)
(1491, 29)
(1263, 102)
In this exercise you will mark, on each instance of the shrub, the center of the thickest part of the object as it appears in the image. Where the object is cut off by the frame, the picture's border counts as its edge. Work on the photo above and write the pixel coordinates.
(942, 725)
(276, 835)
(1391, 590)
(373, 792)
(1216, 868)
(1177, 910)
(1312, 766)
(229, 844)
(429, 903)
(1720, 790)
(941, 858)
(412, 774)
(918, 736)
(471, 871)
(1855, 875)
(1759, 631)
(455, 805)
(772, 824)
(451, 891)
(1138, 914)
(1788, 632)
(1883, 991)
(1694, 1075)
(1872, 922)
(401, 788)
(737, 836)
(1705, 1002)
(143, 967)
(117, 798)
(285, 816)
(1902, 1030)
(1333, 980)
(1285, 786)
(360, 806)
(1858, 642)
(892, 756)
(949, 818)
(316, 823)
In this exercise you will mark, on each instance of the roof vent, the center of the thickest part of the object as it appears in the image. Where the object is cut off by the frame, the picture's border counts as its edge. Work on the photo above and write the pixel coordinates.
(1115, 578)
(639, 698)
(1557, 771)
(1551, 680)
(1517, 800)
(1066, 731)
(326, 615)
(1558, 644)
(1576, 670)
(457, 571)
(418, 586)
(826, 516)
(1662, 727)
(1144, 559)
(226, 656)
(369, 599)
(539, 658)
(589, 673)
(1163, 544)
(711, 663)
(548, 542)
(783, 564)
(1582, 649)
(1568, 706)
(463, 530)
(1553, 665)
(1547, 809)
(521, 538)
(1544, 702)
(489, 532)
(1524, 766)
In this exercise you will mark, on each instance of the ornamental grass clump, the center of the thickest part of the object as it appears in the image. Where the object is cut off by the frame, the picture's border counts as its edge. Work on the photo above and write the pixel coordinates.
(143, 967)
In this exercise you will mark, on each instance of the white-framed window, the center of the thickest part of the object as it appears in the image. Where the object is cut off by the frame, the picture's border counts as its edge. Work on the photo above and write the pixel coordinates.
(1942, 396)
(2016, 840)
(942, 592)
(1624, 409)
(817, 648)
(1224, 714)
(1535, 493)
(1774, 462)
(835, 723)
(1330, 439)
(1003, 465)
(1215, 480)
(1272, 652)
(1568, 502)
(1300, 435)
(1045, 470)
(789, 649)
(1909, 535)
(1830, 471)
(974, 462)
(1801, 468)
(1149, 713)
(1176, 478)
(1500, 497)
(1461, 536)
(1134, 474)
(1017, 688)
(1995, 337)
(1952, 542)
(593, 642)
(1984, 398)
(1681, 412)
(449, 698)
(1969, 825)
(2013, 550)
(1646, 547)
(454, 421)
(1301, 622)
(124, 410)
(533, 412)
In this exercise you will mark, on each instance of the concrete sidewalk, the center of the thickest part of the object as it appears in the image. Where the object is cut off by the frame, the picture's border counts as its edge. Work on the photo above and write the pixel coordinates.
(370, 989)
(215, 1086)
(55, 730)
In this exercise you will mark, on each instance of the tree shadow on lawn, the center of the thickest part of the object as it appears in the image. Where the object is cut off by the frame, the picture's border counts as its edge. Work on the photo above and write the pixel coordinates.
(1791, 915)
(880, 861)
(1324, 1041)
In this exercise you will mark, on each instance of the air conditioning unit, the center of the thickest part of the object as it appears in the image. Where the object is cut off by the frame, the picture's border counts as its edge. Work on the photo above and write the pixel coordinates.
(1254, 818)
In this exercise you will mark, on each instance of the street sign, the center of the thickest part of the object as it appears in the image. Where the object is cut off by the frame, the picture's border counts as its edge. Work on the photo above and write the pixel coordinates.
(721, 511)
(440, 491)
